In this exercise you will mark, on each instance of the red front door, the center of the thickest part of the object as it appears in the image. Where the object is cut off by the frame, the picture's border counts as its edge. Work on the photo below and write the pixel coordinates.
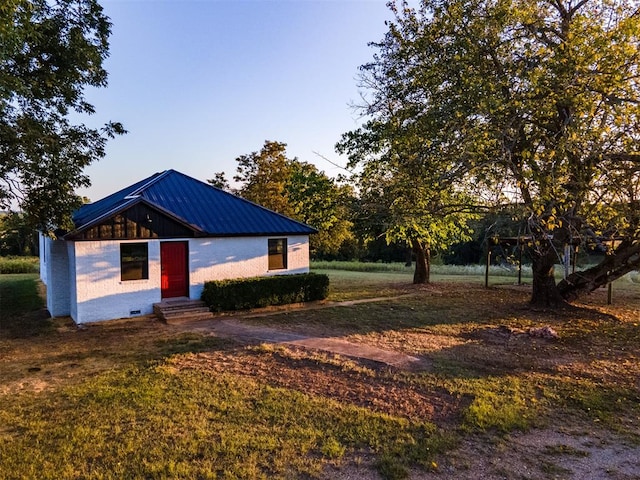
(173, 261)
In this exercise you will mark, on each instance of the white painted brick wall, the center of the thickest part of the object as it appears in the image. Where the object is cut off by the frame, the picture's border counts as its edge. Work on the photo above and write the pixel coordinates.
(57, 275)
(99, 294)
(73, 293)
(240, 257)
(44, 254)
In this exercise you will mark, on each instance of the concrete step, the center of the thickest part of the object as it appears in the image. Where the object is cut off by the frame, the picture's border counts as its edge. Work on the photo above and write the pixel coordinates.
(178, 304)
(186, 311)
(181, 310)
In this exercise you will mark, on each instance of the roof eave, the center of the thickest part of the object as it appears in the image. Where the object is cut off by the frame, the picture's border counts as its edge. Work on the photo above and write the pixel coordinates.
(259, 234)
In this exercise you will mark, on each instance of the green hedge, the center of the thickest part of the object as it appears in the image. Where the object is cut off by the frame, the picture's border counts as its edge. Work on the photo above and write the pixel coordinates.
(245, 293)
(19, 265)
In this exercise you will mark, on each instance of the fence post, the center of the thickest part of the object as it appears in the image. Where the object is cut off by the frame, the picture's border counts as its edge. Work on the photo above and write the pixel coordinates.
(567, 260)
(520, 263)
(486, 271)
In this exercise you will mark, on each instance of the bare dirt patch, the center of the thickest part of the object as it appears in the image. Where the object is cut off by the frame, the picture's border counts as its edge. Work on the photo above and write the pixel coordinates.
(360, 383)
(483, 333)
(568, 453)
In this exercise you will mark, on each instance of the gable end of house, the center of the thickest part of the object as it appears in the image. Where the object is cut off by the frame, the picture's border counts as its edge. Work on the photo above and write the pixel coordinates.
(137, 221)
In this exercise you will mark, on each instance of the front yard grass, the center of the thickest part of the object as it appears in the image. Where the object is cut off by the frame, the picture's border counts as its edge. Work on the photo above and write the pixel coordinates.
(18, 295)
(141, 399)
(157, 421)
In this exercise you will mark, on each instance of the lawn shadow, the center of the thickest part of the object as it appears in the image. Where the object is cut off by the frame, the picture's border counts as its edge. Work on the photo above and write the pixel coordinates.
(441, 306)
(64, 353)
(26, 325)
(22, 312)
(467, 330)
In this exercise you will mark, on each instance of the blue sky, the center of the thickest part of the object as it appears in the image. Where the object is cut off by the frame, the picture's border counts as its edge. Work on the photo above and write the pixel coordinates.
(198, 83)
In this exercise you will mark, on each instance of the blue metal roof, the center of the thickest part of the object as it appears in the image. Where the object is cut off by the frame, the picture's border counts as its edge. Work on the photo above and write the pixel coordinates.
(210, 210)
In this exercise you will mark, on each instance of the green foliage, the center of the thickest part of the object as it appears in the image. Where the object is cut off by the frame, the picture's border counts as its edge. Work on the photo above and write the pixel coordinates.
(257, 292)
(19, 265)
(264, 176)
(17, 235)
(332, 448)
(391, 469)
(220, 181)
(535, 103)
(462, 270)
(596, 400)
(298, 190)
(51, 51)
(504, 406)
(360, 266)
(407, 190)
(323, 203)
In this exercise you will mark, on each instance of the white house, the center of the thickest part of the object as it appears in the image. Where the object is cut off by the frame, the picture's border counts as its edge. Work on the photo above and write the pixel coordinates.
(160, 238)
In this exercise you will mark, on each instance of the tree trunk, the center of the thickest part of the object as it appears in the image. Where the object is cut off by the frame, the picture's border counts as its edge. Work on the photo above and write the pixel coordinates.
(623, 260)
(545, 292)
(423, 262)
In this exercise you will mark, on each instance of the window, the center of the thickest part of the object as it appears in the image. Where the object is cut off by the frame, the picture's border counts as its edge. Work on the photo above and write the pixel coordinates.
(134, 261)
(277, 253)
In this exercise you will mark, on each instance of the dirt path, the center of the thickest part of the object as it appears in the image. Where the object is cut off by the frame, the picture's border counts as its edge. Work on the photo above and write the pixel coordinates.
(236, 329)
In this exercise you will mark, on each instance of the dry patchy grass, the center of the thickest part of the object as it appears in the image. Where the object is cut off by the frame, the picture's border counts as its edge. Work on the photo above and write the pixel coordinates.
(492, 391)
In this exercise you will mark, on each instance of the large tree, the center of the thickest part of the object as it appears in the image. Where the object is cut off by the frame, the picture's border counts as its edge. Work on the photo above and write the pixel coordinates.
(264, 176)
(51, 50)
(323, 203)
(296, 189)
(405, 179)
(535, 101)
(407, 196)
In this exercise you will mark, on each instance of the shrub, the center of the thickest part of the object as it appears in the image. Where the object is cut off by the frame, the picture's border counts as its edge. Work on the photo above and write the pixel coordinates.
(19, 265)
(245, 293)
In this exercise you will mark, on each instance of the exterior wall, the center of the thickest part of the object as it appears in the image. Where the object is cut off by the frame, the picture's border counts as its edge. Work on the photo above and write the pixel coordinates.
(43, 254)
(101, 294)
(54, 264)
(98, 293)
(73, 285)
(240, 257)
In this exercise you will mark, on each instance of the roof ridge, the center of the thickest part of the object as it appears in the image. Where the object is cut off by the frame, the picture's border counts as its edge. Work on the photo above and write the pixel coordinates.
(136, 193)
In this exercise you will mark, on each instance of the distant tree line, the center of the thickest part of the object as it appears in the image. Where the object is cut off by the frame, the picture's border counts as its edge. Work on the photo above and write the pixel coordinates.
(17, 236)
(352, 224)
